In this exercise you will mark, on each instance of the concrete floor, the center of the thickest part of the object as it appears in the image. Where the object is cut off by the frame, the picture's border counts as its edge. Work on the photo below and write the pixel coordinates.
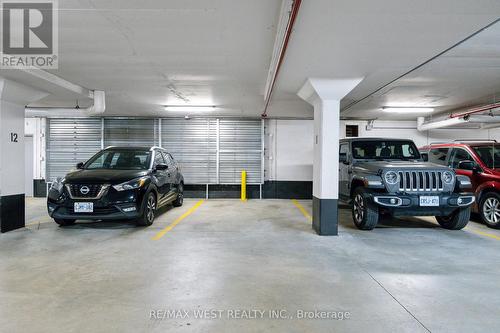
(406, 276)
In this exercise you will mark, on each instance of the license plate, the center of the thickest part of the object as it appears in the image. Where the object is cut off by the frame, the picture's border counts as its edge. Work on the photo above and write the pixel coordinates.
(429, 201)
(84, 207)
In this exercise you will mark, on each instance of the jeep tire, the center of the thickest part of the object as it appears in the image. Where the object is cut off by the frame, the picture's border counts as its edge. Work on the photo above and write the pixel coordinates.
(456, 220)
(364, 213)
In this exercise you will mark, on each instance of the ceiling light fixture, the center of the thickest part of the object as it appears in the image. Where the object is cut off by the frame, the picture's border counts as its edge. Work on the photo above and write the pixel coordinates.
(394, 109)
(190, 108)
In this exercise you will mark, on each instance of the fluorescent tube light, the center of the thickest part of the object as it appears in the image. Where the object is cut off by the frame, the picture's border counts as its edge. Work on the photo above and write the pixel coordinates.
(407, 109)
(190, 108)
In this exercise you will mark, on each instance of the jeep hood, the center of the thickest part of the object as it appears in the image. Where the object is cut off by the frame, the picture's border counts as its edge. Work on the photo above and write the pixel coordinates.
(374, 166)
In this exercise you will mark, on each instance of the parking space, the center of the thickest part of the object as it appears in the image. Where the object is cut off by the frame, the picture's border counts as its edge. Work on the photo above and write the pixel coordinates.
(227, 254)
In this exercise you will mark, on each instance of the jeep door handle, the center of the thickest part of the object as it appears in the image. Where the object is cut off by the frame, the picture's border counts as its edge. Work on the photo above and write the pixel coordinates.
(349, 171)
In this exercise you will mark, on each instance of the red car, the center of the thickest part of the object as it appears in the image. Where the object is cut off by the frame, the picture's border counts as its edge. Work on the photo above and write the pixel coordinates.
(480, 161)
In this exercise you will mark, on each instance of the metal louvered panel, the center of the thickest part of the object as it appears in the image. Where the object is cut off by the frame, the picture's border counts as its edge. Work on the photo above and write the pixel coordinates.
(240, 149)
(130, 132)
(70, 141)
(231, 165)
(209, 151)
(193, 143)
(240, 134)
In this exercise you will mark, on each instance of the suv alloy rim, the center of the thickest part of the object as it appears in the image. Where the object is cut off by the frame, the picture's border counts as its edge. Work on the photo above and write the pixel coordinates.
(359, 208)
(150, 214)
(491, 210)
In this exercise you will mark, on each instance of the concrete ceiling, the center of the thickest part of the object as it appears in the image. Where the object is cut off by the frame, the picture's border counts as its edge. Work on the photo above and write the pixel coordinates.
(380, 40)
(147, 54)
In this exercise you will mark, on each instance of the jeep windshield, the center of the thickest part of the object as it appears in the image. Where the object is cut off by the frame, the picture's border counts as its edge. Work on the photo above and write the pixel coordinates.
(385, 150)
(122, 159)
(489, 154)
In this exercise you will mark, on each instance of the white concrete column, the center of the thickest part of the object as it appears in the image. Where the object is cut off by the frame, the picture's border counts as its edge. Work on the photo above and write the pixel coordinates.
(325, 95)
(13, 97)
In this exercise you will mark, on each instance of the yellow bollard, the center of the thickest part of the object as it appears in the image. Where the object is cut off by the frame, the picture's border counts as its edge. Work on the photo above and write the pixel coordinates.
(243, 185)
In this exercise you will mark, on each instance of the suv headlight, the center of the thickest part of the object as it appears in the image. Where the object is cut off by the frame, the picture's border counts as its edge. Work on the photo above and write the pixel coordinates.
(391, 178)
(58, 184)
(447, 177)
(130, 185)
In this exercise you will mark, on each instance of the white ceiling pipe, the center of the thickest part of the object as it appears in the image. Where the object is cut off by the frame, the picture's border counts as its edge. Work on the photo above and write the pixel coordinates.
(484, 119)
(423, 126)
(98, 107)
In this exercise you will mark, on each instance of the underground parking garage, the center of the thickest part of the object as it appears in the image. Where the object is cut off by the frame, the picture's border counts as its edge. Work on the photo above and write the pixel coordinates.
(249, 166)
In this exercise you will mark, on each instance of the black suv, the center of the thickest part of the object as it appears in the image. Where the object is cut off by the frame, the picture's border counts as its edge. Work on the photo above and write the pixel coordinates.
(388, 176)
(117, 183)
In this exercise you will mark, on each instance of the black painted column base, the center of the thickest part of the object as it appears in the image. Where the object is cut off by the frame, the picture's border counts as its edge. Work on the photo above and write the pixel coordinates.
(325, 216)
(12, 212)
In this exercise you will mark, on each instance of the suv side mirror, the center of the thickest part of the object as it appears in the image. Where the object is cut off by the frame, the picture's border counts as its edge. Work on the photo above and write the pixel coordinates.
(425, 157)
(79, 165)
(468, 165)
(343, 158)
(161, 166)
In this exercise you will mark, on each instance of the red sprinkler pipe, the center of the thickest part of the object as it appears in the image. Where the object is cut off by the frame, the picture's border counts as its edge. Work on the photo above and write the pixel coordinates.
(476, 110)
(291, 21)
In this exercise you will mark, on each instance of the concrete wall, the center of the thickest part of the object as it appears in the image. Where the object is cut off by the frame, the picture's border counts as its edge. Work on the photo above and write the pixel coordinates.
(289, 143)
(35, 127)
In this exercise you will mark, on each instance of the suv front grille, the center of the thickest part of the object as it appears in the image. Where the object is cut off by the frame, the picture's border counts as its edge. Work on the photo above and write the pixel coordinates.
(76, 190)
(420, 181)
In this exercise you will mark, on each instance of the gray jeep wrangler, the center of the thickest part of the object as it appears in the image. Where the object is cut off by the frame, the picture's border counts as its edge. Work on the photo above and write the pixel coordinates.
(387, 176)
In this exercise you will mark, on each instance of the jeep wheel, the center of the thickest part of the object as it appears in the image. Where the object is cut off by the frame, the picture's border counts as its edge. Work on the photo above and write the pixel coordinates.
(456, 220)
(148, 214)
(64, 222)
(364, 214)
(489, 208)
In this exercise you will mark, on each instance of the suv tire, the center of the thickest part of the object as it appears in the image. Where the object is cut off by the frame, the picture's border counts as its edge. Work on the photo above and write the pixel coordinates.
(180, 196)
(148, 214)
(64, 222)
(489, 208)
(364, 214)
(456, 220)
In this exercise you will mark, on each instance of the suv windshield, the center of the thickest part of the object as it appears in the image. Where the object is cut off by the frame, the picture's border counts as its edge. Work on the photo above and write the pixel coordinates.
(385, 150)
(124, 159)
(490, 155)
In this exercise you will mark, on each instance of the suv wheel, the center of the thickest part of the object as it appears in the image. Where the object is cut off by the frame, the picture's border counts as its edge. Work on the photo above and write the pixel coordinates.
(64, 222)
(148, 214)
(364, 213)
(489, 208)
(180, 196)
(456, 220)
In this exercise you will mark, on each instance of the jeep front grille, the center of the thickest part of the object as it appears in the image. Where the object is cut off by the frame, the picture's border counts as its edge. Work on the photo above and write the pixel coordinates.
(420, 181)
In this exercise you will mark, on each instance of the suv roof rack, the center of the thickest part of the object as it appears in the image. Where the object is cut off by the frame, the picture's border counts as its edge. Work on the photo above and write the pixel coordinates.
(476, 140)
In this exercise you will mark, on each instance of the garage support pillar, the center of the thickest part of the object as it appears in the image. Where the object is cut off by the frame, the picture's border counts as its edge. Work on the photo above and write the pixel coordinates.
(13, 98)
(325, 95)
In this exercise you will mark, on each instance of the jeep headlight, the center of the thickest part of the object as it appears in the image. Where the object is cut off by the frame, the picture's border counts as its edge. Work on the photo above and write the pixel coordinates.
(58, 184)
(447, 177)
(131, 185)
(391, 178)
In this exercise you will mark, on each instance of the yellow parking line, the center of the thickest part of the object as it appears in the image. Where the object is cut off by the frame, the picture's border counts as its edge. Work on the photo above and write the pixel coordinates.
(482, 233)
(302, 209)
(176, 222)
